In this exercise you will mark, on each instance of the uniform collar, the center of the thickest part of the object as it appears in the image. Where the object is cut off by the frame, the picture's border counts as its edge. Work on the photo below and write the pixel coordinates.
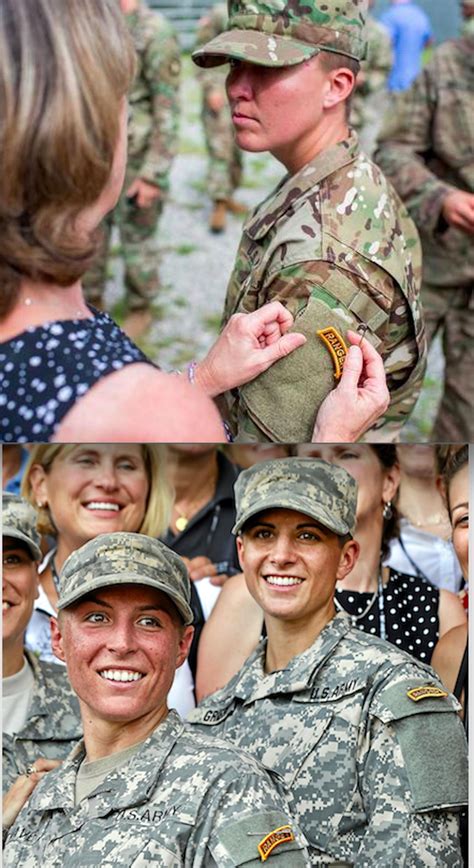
(295, 187)
(301, 671)
(44, 704)
(129, 785)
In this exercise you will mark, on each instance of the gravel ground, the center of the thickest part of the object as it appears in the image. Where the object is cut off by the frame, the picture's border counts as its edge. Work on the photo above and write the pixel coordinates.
(195, 265)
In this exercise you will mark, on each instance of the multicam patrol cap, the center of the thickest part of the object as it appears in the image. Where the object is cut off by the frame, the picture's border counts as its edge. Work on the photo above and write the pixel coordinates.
(126, 558)
(287, 32)
(19, 521)
(316, 488)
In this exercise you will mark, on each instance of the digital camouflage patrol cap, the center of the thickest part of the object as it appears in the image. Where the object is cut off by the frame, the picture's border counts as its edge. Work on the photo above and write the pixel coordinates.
(316, 488)
(287, 32)
(126, 558)
(19, 521)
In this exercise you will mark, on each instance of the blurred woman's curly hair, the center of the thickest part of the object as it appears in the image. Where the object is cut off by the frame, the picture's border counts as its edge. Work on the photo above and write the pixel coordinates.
(64, 70)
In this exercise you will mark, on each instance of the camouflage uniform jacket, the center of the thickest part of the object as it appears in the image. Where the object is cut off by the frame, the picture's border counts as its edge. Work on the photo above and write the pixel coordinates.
(427, 149)
(53, 725)
(210, 26)
(182, 800)
(335, 245)
(364, 762)
(154, 97)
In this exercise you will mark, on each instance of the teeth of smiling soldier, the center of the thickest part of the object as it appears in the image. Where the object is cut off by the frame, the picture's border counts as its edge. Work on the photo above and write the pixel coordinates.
(120, 675)
(98, 504)
(283, 580)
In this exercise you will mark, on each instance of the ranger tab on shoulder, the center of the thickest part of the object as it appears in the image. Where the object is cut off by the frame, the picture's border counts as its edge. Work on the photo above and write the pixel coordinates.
(426, 691)
(282, 835)
(336, 346)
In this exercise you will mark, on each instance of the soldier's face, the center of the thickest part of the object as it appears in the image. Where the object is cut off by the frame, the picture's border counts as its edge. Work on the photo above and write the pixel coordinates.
(20, 589)
(291, 564)
(376, 485)
(121, 646)
(459, 504)
(95, 488)
(278, 110)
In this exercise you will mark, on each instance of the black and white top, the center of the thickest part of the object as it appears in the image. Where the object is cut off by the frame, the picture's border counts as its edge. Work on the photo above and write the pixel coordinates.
(411, 613)
(47, 368)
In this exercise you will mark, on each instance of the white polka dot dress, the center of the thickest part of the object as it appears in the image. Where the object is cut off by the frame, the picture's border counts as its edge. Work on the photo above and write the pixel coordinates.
(411, 613)
(46, 369)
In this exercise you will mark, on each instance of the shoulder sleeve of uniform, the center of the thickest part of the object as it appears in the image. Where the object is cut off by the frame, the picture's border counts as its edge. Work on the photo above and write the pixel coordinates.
(424, 718)
(413, 695)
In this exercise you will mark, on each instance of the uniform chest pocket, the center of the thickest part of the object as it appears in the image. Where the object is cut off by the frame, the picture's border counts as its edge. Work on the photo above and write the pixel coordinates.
(325, 782)
(299, 738)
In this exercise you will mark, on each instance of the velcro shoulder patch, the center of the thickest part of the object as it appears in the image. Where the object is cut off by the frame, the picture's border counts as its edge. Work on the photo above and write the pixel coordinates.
(426, 725)
(410, 697)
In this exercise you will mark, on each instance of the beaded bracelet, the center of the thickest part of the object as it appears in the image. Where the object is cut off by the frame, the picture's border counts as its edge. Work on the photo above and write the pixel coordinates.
(191, 370)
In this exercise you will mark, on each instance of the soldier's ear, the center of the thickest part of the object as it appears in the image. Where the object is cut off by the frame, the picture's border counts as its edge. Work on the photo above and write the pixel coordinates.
(341, 83)
(348, 559)
(240, 549)
(184, 645)
(57, 639)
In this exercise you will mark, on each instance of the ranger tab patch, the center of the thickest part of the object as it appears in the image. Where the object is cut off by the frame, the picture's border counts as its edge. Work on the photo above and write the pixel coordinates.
(279, 836)
(426, 691)
(336, 346)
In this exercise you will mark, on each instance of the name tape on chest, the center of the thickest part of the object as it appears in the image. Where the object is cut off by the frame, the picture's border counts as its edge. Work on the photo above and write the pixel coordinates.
(282, 835)
(336, 346)
(215, 716)
(425, 691)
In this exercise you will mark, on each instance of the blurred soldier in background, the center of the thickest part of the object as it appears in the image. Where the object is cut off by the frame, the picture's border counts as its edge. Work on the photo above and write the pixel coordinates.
(368, 100)
(225, 158)
(427, 151)
(152, 143)
(410, 31)
(467, 9)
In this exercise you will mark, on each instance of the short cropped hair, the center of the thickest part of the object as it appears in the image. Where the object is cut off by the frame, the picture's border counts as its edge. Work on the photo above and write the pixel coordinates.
(329, 61)
(64, 70)
(159, 502)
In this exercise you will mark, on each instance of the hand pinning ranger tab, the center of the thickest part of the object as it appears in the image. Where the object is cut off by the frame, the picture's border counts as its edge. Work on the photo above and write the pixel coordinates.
(336, 346)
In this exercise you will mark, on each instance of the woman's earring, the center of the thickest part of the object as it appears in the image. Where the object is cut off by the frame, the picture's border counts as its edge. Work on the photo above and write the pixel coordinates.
(387, 510)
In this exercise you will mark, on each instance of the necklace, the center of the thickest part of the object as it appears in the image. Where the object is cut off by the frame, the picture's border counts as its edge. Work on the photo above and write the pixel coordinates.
(377, 595)
(195, 505)
(433, 520)
(77, 314)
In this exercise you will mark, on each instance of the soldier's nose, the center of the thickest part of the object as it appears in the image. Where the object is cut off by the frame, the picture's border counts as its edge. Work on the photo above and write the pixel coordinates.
(239, 82)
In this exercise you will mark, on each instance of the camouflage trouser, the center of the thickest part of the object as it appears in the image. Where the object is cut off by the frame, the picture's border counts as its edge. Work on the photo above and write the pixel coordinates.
(452, 310)
(225, 158)
(137, 227)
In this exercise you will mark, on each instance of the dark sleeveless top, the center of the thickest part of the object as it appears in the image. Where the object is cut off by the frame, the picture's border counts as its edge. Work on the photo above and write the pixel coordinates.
(411, 613)
(46, 369)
